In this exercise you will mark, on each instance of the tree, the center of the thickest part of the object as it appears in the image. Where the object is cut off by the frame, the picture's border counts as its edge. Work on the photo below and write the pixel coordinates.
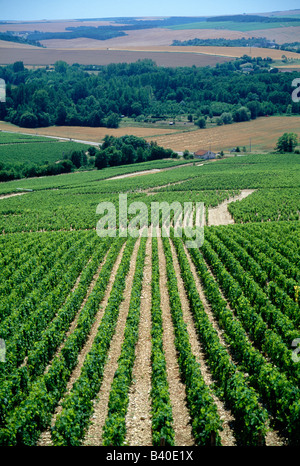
(287, 142)
(41, 100)
(114, 156)
(187, 155)
(18, 66)
(61, 114)
(61, 66)
(201, 122)
(242, 114)
(78, 158)
(92, 151)
(226, 118)
(28, 120)
(101, 160)
(113, 121)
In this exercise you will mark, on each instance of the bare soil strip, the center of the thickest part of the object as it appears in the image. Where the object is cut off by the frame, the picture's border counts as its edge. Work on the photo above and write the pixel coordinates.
(227, 436)
(45, 439)
(219, 215)
(182, 426)
(272, 437)
(6, 196)
(94, 433)
(138, 419)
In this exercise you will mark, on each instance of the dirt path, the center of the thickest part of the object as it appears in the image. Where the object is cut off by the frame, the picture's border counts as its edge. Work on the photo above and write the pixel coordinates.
(45, 439)
(219, 215)
(94, 433)
(138, 419)
(182, 427)
(128, 175)
(6, 196)
(154, 170)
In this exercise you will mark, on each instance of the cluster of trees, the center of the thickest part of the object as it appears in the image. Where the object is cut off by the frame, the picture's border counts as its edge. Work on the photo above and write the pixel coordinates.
(244, 113)
(9, 171)
(287, 143)
(113, 152)
(290, 47)
(98, 33)
(72, 161)
(221, 42)
(11, 37)
(69, 95)
(127, 150)
(261, 42)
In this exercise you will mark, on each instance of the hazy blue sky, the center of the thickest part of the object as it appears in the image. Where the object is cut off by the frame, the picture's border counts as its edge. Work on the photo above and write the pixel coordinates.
(70, 9)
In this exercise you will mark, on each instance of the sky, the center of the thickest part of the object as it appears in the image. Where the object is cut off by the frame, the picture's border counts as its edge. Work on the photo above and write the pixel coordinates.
(79, 9)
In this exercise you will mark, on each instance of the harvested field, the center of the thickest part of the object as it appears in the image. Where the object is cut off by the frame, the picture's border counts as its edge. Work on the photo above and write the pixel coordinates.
(4, 44)
(155, 36)
(280, 35)
(50, 26)
(263, 133)
(87, 133)
(147, 37)
(233, 52)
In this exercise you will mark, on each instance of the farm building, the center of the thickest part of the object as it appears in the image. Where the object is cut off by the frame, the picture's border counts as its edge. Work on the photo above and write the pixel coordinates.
(204, 154)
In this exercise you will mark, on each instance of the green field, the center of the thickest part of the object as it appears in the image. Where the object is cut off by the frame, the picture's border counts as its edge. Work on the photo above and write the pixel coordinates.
(234, 26)
(17, 149)
(70, 200)
(158, 343)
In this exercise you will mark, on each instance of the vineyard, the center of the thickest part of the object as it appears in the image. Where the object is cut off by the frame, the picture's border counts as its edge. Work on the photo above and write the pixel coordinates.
(141, 341)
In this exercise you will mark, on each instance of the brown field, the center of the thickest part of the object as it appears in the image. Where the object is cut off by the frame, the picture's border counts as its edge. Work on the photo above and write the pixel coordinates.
(280, 35)
(49, 26)
(155, 36)
(162, 55)
(38, 56)
(87, 133)
(231, 52)
(148, 37)
(263, 132)
(165, 37)
(13, 45)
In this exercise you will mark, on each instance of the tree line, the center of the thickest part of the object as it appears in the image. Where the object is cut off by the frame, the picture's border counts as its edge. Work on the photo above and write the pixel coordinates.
(70, 95)
(114, 151)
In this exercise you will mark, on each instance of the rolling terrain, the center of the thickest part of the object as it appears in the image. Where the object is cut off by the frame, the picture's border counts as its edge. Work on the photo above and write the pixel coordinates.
(117, 330)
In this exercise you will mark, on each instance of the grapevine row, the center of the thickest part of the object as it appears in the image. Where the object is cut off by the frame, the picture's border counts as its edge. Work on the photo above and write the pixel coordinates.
(114, 431)
(25, 423)
(77, 407)
(17, 385)
(20, 259)
(242, 400)
(40, 314)
(237, 283)
(161, 408)
(280, 290)
(31, 287)
(278, 266)
(280, 396)
(203, 411)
